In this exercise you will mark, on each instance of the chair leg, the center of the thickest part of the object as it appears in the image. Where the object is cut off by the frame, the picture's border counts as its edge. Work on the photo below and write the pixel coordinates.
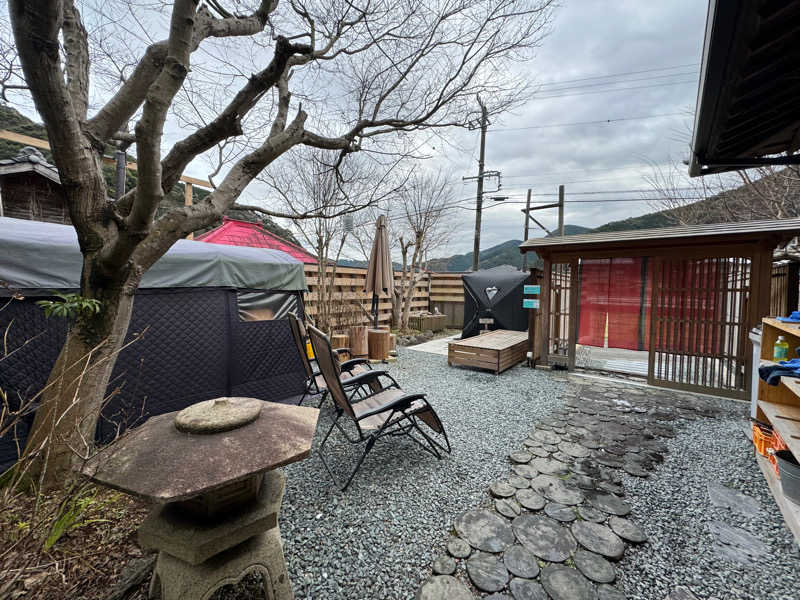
(370, 444)
(322, 400)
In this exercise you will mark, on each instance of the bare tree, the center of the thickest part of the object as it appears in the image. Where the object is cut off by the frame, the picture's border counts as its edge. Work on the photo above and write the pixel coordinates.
(326, 195)
(362, 70)
(420, 228)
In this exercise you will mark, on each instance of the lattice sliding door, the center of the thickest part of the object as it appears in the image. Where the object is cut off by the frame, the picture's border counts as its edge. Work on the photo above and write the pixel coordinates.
(561, 287)
(698, 333)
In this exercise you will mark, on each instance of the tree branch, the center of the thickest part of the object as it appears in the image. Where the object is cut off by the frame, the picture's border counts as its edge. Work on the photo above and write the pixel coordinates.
(76, 49)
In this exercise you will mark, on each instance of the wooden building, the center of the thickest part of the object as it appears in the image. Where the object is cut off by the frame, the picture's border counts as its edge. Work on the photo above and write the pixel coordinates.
(30, 188)
(704, 288)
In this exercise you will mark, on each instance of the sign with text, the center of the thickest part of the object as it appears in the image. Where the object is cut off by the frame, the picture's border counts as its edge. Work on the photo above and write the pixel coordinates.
(530, 303)
(531, 289)
(486, 321)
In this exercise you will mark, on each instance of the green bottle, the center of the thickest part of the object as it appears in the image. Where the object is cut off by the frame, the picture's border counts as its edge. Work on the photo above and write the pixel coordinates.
(781, 349)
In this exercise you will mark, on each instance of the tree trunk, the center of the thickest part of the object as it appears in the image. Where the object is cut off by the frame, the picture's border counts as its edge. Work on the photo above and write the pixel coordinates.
(65, 422)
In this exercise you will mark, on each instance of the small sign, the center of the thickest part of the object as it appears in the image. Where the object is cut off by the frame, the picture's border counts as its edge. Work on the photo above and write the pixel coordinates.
(486, 321)
(531, 289)
(530, 303)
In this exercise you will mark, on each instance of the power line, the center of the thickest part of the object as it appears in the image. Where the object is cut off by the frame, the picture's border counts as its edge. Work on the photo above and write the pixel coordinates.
(639, 87)
(623, 74)
(604, 122)
(618, 81)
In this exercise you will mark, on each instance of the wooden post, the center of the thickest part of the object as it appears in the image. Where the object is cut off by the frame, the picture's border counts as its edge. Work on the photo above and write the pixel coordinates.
(792, 287)
(561, 210)
(572, 332)
(358, 341)
(544, 306)
(378, 342)
(525, 231)
(187, 200)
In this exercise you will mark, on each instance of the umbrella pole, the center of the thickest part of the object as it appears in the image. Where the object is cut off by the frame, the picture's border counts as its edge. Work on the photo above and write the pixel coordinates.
(375, 308)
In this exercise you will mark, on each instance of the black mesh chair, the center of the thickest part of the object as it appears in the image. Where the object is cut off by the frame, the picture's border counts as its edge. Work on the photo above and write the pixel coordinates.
(315, 383)
(375, 414)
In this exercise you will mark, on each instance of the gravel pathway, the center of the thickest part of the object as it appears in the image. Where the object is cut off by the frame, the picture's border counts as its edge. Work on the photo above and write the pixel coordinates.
(378, 539)
(674, 507)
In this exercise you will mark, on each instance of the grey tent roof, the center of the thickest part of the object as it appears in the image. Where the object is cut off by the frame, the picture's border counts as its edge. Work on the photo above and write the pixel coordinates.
(37, 255)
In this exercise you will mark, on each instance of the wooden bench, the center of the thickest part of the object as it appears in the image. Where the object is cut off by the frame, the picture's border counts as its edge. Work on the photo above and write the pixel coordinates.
(496, 351)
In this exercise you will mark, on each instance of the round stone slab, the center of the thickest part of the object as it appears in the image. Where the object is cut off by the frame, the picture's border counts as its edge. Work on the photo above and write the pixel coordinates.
(501, 489)
(518, 482)
(546, 437)
(544, 537)
(574, 450)
(526, 471)
(507, 507)
(217, 415)
(560, 512)
(554, 489)
(594, 566)
(563, 583)
(458, 548)
(530, 499)
(520, 457)
(525, 589)
(607, 592)
(609, 503)
(443, 587)
(484, 530)
(549, 466)
(627, 530)
(588, 513)
(598, 538)
(521, 562)
(444, 565)
(486, 572)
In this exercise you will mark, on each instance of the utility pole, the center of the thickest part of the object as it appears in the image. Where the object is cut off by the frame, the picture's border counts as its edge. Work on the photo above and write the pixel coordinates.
(525, 234)
(561, 210)
(479, 201)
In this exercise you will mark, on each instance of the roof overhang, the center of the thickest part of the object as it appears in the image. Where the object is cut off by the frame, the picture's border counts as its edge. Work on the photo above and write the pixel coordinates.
(28, 167)
(658, 241)
(746, 112)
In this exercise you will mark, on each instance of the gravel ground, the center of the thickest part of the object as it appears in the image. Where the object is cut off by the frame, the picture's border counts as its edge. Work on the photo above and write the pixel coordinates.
(379, 538)
(673, 507)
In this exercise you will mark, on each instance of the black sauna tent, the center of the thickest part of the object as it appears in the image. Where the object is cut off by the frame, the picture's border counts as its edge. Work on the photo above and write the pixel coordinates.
(494, 294)
(211, 316)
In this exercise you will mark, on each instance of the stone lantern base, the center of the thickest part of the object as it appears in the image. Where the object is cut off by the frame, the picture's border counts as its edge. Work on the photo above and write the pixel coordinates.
(196, 557)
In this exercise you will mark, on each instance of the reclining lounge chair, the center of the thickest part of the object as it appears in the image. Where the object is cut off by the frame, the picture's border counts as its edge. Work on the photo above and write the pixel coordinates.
(315, 384)
(375, 414)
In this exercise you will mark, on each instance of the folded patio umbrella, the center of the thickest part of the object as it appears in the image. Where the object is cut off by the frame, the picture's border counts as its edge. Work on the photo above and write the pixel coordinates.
(380, 275)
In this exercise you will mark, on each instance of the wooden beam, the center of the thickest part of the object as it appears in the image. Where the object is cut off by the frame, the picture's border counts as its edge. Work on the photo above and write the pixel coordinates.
(109, 160)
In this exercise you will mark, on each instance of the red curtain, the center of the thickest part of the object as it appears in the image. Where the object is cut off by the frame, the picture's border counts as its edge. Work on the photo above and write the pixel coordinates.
(593, 301)
(620, 290)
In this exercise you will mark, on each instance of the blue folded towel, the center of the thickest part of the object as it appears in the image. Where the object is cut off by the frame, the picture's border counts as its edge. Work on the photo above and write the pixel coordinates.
(792, 318)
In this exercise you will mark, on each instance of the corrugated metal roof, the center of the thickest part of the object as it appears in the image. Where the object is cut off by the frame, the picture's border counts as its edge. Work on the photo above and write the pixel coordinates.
(670, 236)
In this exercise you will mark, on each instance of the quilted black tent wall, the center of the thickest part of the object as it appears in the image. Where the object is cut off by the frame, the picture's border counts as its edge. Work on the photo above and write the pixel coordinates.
(193, 347)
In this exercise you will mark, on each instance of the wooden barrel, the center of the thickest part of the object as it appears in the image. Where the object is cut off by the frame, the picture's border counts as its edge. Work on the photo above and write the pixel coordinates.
(358, 341)
(339, 340)
(384, 327)
(378, 342)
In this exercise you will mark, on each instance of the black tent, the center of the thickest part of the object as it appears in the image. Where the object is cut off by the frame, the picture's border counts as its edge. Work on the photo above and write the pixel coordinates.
(212, 317)
(494, 294)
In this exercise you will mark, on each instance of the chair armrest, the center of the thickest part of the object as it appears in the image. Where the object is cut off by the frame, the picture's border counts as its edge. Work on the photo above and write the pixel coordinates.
(354, 362)
(341, 350)
(364, 377)
(396, 404)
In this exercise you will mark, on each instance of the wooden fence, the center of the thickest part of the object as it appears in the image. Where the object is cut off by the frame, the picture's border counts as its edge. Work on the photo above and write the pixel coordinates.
(442, 290)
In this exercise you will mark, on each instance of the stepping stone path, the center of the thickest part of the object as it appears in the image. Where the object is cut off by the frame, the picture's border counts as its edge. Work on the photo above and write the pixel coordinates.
(547, 530)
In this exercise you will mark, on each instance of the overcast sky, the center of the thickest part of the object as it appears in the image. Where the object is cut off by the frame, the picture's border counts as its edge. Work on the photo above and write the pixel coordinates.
(590, 39)
(648, 53)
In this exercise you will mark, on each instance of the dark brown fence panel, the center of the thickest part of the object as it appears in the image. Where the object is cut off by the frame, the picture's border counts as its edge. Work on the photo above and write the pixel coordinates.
(698, 334)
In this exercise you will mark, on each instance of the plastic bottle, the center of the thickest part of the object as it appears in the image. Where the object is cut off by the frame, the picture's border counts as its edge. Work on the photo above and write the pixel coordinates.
(781, 349)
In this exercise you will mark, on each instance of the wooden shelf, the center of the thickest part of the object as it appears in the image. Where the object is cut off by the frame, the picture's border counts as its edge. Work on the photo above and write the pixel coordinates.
(790, 328)
(785, 419)
(789, 510)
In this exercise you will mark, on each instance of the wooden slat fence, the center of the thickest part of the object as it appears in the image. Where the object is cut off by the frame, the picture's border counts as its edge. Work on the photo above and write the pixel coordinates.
(447, 295)
(441, 290)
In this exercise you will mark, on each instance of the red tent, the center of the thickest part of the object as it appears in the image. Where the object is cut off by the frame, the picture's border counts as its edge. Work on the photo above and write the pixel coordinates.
(233, 232)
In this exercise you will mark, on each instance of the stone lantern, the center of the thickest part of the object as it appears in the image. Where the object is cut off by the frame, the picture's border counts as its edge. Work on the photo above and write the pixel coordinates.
(210, 472)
